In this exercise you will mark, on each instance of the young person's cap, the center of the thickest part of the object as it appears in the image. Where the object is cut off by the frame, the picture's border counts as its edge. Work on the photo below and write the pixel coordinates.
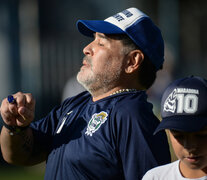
(137, 25)
(184, 105)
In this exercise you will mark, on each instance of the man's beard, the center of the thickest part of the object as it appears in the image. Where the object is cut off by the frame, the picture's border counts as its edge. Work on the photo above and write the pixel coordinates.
(104, 80)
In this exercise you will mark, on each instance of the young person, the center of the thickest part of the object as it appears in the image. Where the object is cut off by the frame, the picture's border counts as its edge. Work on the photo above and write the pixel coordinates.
(184, 115)
(105, 132)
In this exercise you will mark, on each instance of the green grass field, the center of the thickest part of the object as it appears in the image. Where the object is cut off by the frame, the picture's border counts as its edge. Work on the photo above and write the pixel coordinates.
(22, 173)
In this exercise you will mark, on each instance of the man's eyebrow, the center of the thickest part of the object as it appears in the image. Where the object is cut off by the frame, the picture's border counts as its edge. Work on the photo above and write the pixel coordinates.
(100, 35)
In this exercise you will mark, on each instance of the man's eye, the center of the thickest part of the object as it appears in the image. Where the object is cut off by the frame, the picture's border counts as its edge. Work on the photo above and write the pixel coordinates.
(100, 44)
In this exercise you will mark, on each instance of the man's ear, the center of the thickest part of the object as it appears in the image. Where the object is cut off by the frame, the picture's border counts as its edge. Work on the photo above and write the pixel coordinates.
(135, 59)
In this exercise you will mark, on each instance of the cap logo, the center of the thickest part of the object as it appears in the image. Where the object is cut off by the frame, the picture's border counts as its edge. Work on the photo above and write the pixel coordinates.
(125, 18)
(125, 12)
(181, 101)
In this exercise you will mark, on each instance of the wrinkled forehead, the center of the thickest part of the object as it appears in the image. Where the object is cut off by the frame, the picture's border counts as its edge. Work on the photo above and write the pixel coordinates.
(111, 36)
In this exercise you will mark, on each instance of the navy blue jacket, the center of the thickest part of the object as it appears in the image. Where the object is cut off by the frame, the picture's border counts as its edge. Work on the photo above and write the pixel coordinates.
(108, 139)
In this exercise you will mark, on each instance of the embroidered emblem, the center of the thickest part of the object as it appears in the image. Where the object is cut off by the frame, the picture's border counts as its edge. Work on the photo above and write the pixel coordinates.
(63, 122)
(95, 122)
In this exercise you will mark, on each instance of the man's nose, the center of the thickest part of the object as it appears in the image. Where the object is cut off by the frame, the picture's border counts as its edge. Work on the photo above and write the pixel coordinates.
(87, 50)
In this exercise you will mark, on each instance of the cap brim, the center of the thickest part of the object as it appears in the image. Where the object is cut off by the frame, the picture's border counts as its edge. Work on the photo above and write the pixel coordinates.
(89, 27)
(182, 123)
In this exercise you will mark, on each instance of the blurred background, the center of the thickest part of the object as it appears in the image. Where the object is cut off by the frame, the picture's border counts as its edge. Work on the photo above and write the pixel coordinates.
(41, 50)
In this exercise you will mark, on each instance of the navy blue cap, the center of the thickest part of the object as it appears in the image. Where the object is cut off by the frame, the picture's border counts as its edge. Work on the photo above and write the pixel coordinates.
(137, 25)
(184, 105)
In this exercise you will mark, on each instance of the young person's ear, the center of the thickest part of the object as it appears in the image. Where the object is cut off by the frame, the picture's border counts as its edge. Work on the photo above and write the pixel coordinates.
(135, 58)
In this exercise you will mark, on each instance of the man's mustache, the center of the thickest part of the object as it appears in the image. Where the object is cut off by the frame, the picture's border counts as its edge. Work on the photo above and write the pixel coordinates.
(87, 59)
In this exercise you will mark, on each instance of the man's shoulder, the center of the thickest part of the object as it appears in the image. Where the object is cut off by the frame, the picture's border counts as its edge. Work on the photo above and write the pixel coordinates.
(132, 99)
(133, 102)
(77, 100)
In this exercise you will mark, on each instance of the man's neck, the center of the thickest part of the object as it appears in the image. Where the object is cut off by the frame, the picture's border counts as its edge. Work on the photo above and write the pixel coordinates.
(97, 96)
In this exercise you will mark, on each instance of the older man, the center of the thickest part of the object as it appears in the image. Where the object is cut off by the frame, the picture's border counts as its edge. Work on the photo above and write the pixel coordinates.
(105, 132)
